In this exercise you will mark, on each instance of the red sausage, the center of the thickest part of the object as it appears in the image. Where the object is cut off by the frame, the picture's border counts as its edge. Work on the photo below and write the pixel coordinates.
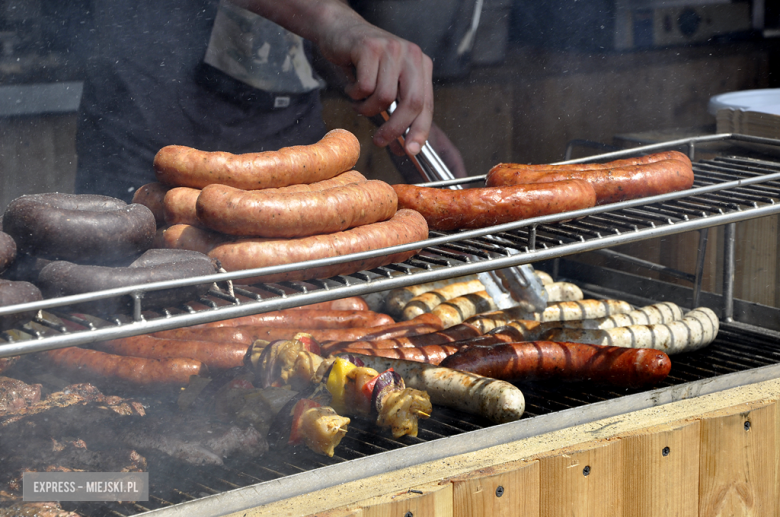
(350, 303)
(309, 318)
(180, 166)
(179, 206)
(650, 158)
(138, 371)
(406, 226)
(446, 209)
(611, 184)
(247, 334)
(215, 355)
(532, 360)
(268, 213)
(455, 333)
(190, 237)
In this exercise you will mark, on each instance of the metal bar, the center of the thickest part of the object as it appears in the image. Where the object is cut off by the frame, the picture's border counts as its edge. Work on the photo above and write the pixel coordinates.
(700, 265)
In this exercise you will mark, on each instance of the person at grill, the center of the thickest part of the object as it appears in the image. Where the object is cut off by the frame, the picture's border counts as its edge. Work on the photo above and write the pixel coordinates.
(233, 76)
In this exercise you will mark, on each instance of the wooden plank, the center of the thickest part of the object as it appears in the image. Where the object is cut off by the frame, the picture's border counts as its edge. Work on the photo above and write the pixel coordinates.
(737, 461)
(507, 490)
(582, 481)
(339, 512)
(429, 500)
(346, 494)
(661, 471)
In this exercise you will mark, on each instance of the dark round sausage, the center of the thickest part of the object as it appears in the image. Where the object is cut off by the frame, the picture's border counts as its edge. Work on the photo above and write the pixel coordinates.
(63, 278)
(86, 229)
(7, 251)
(446, 209)
(13, 293)
(532, 360)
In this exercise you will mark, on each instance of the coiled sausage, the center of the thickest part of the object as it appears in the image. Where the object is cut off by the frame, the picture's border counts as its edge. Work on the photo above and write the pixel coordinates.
(180, 166)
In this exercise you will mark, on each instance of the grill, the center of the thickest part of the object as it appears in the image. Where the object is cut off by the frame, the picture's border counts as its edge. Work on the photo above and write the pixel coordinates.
(728, 189)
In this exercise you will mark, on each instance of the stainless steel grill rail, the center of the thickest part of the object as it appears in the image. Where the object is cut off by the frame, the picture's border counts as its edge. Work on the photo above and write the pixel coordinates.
(726, 191)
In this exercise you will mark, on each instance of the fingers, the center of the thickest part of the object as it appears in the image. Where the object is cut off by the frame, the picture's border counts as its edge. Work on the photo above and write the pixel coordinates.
(389, 69)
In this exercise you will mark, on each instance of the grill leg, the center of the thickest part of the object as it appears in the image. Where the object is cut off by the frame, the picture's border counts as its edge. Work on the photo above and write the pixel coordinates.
(729, 233)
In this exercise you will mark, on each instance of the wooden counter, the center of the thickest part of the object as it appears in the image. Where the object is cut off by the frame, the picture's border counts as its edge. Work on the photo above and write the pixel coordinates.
(706, 456)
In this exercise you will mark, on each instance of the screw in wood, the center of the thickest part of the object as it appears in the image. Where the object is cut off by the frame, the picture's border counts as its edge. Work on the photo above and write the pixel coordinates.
(499, 491)
(747, 425)
(409, 514)
(586, 470)
(665, 451)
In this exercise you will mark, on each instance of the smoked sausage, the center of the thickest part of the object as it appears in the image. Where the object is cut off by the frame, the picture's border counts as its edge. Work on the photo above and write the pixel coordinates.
(404, 227)
(537, 360)
(611, 185)
(215, 355)
(151, 196)
(455, 333)
(649, 158)
(446, 209)
(179, 166)
(136, 371)
(310, 318)
(265, 213)
(193, 238)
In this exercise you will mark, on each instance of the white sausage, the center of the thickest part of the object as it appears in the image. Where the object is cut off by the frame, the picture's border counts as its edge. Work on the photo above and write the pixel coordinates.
(563, 292)
(543, 277)
(398, 298)
(428, 301)
(456, 311)
(696, 330)
(664, 312)
(498, 401)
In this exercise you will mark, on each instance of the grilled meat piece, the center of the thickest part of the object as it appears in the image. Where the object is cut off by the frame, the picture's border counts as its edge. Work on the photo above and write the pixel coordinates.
(195, 440)
(30, 509)
(15, 394)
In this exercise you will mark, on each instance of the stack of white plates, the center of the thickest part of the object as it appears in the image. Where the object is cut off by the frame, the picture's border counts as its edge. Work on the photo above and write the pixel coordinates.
(750, 112)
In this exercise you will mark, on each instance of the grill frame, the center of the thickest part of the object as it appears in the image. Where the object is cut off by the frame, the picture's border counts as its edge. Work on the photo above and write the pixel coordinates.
(441, 257)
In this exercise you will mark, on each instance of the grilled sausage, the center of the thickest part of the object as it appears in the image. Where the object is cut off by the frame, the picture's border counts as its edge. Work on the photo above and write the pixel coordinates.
(696, 330)
(566, 311)
(310, 318)
(664, 312)
(611, 185)
(189, 237)
(452, 334)
(537, 360)
(398, 298)
(428, 301)
(429, 354)
(180, 166)
(13, 292)
(7, 251)
(83, 228)
(650, 158)
(266, 213)
(496, 400)
(136, 371)
(404, 227)
(179, 206)
(350, 303)
(544, 278)
(563, 292)
(63, 278)
(446, 209)
(151, 196)
(458, 310)
(248, 334)
(215, 355)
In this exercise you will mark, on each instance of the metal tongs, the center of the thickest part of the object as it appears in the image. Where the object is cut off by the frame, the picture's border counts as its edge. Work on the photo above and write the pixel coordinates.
(516, 286)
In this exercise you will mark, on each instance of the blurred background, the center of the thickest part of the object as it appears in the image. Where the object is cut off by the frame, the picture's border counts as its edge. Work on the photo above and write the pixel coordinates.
(532, 81)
